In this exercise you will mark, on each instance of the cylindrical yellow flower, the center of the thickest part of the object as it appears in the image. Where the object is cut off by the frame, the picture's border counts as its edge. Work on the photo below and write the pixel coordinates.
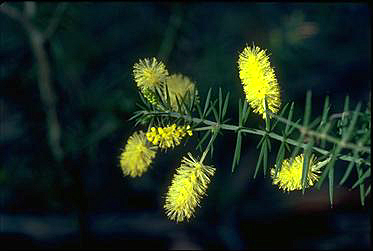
(289, 177)
(189, 185)
(137, 155)
(181, 87)
(169, 136)
(259, 80)
(149, 74)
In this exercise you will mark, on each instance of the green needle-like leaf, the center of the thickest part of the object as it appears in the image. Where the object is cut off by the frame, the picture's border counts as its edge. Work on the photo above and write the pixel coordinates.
(287, 147)
(245, 113)
(151, 123)
(306, 163)
(315, 122)
(140, 121)
(225, 105)
(200, 111)
(207, 103)
(329, 165)
(346, 136)
(356, 156)
(212, 106)
(361, 179)
(193, 99)
(260, 142)
(216, 115)
(259, 161)
(213, 137)
(269, 144)
(240, 117)
(203, 139)
(348, 170)
(338, 148)
(331, 185)
(137, 114)
(361, 186)
(144, 108)
(346, 106)
(281, 114)
(297, 147)
(367, 192)
(290, 117)
(343, 120)
(325, 130)
(292, 128)
(237, 151)
(265, 157)
(307, 112)
(325, 112)
(168, 99)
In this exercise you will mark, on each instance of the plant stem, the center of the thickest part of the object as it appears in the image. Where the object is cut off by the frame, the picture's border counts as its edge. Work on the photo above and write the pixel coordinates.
(319, 135)
(251, 131)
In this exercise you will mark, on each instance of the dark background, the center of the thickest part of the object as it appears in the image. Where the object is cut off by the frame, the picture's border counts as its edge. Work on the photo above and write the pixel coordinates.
(84, 201)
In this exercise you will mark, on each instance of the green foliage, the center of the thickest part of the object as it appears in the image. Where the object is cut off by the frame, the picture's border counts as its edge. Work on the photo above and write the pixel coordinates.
(316, 137)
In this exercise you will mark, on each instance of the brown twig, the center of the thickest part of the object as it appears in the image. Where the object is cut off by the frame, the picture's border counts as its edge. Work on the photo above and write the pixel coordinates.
(47, 93)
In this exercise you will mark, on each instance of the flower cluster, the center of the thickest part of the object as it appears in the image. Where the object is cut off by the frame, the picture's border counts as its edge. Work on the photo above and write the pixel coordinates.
(180, 88)
(259, 80)
(137, 155)
(149, 74)
(177, 94)
(190, 182)
(152, 76)
(169, 136)
(289, 178)
(188, 186)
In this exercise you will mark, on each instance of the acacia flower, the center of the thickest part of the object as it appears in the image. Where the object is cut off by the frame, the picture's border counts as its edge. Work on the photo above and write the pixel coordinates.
(169, 136)
(137, 155)
(289, 178)
(259, 80)
(149, 74)
(188, 186)
(179, 86)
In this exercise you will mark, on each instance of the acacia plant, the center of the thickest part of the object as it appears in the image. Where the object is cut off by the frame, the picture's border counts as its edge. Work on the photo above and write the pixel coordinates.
(172, 110)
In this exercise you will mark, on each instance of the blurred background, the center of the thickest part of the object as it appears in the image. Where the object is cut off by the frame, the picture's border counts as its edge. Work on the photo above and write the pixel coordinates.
(67, 92)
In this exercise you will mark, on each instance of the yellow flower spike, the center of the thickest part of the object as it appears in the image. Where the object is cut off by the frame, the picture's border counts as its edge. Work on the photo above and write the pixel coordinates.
(289, 178)
(188, 186)
(137, 155)
(169, 136)
(149, 74)
(179, 86)
(259, 80)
